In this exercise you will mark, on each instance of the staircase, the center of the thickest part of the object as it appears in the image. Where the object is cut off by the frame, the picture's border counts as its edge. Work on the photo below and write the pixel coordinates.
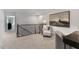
(28, 29)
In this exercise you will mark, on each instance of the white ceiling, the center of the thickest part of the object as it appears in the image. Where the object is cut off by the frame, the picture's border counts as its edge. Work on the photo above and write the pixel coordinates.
(34, 11)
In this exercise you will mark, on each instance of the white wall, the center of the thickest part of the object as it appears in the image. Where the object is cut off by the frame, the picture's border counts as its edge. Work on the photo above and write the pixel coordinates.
(22, 18)
(1, 27)
(74, 17)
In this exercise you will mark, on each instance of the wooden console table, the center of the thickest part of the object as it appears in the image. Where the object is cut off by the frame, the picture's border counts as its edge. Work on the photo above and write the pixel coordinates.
(72, 40)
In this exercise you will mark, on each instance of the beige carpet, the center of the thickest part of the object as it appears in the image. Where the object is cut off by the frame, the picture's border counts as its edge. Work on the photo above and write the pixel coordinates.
(35, 41)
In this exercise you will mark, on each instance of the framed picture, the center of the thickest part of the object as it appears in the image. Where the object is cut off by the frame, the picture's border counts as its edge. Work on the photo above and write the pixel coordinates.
(61, 19)
(9, 23)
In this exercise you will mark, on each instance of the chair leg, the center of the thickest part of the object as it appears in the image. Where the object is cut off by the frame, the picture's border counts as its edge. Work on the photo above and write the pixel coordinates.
(70, 47)
(64, 46)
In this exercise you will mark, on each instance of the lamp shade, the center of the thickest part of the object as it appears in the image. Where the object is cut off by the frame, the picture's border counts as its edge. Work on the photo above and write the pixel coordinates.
(44, 21)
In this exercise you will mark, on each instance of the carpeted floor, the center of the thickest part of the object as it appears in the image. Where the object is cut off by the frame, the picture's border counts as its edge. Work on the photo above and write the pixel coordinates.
(35, 41)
